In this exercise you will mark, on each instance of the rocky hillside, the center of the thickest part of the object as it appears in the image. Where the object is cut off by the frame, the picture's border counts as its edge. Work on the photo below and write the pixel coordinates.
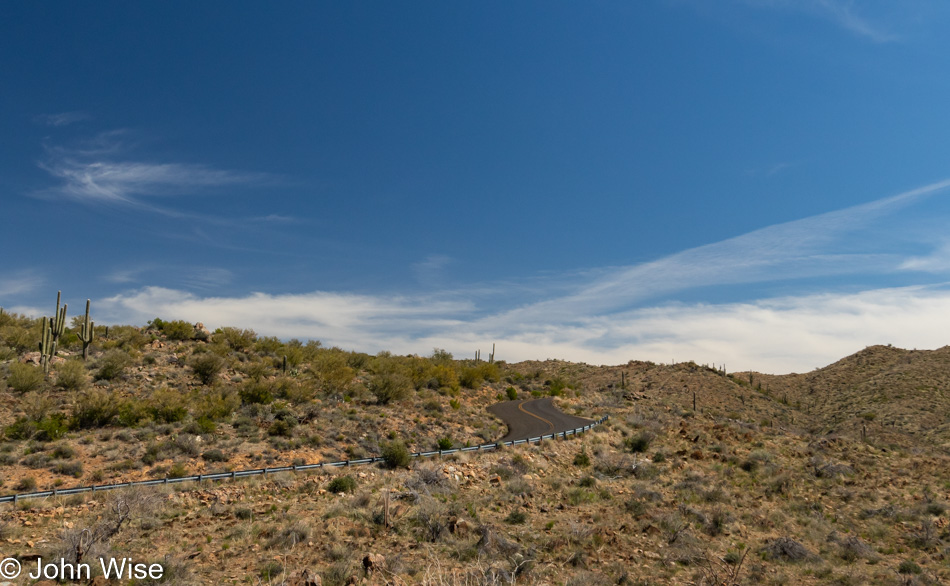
(886, 395)
(698, 477)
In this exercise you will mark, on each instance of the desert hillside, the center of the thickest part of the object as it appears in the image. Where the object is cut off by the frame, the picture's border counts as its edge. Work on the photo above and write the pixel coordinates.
(698, 477)
(886, 393)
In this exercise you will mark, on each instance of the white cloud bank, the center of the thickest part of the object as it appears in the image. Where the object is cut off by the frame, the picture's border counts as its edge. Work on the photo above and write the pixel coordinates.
(788, 334)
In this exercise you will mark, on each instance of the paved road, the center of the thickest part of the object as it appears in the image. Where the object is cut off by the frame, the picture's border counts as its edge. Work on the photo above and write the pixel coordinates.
(534, 418)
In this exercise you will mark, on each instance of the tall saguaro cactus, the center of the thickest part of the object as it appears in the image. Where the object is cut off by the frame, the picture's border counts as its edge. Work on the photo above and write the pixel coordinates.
(57, 323)
(46, 345)
(86, 332)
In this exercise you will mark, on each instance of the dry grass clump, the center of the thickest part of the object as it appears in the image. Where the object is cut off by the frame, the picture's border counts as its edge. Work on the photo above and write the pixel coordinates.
(786, 549)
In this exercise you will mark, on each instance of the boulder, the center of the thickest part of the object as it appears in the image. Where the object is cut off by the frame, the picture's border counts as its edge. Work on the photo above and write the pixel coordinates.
(201, 332)
(373, 562)
(306, 578)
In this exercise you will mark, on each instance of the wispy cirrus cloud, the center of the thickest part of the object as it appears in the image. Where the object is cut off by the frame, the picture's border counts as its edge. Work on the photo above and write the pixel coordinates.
(614, 315)
(192, 278)
(841, 242)
(124, 182)
(20, 282)
(99, 170)
(429, 270)
(843, 13)
(62, 118)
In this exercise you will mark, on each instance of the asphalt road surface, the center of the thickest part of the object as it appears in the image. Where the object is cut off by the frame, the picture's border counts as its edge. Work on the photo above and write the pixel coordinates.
(534, 418)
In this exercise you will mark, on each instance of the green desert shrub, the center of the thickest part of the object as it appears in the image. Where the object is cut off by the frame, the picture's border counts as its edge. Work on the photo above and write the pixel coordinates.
(473, 376)
(112, 364)
(639, 443)
(21, 337)
(95, 408)
(24, 378)
(236, 338)
(269, 345)
(342, 484)
(255, 369)
(395, 454)
(214, 455)
(125, 337)
(284, 423)
(132, 412)
(390, 385)
(26, 483)
(47, 429)
(168, 405)
(178, 330)
(206, 367)
(215, 404)
(516, 517)
(71, 375)
(256, 392)
(36, 405)
(582, 459)
(333, 370)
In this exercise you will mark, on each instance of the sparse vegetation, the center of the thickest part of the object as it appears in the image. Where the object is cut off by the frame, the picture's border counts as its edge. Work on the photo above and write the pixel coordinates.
(207, 366)
(701, 493)
(23, 378)
(112, 364)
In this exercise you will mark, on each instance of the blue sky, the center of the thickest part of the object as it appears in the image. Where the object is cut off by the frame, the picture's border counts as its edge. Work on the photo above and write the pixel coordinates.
(756, 183)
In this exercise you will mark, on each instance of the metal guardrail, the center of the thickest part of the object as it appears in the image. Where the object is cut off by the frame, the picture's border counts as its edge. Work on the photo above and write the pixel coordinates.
(15, 498)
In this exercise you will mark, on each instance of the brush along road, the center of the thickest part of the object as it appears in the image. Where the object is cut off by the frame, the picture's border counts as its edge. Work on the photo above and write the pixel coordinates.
(534, 418)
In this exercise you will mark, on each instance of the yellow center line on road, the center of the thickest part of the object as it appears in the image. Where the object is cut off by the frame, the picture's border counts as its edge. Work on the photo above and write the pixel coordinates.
(520, 408)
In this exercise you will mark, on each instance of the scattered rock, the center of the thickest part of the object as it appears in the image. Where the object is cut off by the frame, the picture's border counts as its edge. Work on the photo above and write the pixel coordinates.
(373, 562)
(202, 333)
(459, 526)
(306, 579)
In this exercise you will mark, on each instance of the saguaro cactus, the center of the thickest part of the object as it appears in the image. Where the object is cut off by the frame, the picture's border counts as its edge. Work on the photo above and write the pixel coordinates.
(86, 332)
(57, 323)
(47, 345)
